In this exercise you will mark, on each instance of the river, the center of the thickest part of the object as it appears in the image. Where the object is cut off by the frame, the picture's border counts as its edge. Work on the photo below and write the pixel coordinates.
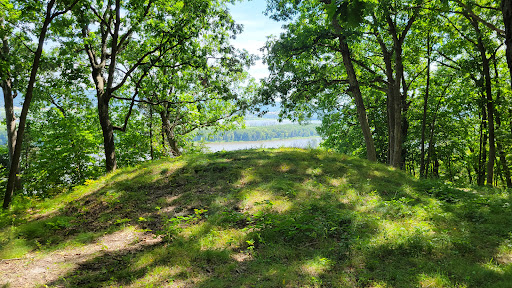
(310, 142)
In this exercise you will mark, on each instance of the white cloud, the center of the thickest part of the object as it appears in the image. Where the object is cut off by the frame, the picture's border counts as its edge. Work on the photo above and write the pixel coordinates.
(257, 27)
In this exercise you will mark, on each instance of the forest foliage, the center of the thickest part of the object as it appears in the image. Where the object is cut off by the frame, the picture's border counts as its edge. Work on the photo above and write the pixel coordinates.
(423, 86)
(260, 133)
(420, 85)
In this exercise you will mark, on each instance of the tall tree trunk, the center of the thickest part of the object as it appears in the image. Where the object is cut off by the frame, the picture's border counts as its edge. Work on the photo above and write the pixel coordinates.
(470, 176)
(169, 132)
(356, 93)
(506, 9)
(13, 169)
(435, 169)
(390, 105)
(10, 119)
(503, 159)
(425, 108)
(395, 98)
(104, 116)
(482, 154)
(397, 102)
(431, 145)
(432, 130)
(9, 96)
(432, 127)
(9, 116)
(489, 99)
(405, 122)
(151, 150)
(108, 135)
(490, 113)
(400, 100)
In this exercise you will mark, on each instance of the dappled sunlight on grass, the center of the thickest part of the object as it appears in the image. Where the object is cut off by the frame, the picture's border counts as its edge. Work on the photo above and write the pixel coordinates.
(435, 280)
(314, 171)
(267, 218)
(17, 248)
(316, 266)
(159, 276)
(338, 181)
(248, 176)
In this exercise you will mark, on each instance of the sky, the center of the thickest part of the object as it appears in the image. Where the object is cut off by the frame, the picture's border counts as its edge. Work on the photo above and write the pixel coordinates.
(257, 27)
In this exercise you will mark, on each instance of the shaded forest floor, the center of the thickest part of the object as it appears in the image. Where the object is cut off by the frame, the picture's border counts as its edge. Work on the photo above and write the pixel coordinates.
(260, 218)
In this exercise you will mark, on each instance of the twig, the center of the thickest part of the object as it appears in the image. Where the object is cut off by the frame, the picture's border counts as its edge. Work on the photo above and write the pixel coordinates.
(12, 259)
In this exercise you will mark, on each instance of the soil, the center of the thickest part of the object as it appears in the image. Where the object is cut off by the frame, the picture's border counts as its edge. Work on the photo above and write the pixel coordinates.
(34, 270)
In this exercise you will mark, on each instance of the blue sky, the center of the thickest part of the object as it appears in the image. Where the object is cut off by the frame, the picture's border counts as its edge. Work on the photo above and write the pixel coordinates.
(256, 29)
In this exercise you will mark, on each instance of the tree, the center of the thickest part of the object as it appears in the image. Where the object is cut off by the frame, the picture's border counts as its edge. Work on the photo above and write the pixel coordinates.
(52, 11)
(312, 44)
(192, 94)
(123, 47)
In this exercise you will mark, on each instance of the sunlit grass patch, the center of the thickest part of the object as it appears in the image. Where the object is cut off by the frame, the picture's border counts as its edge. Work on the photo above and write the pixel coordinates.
(316, 266)
(247, 177)
(504, 255)
(149, 258)
(259, 200)
(314, 171)
(435, 280)
(15, 248)
(159, 276)
(222, 239)
(338, 181)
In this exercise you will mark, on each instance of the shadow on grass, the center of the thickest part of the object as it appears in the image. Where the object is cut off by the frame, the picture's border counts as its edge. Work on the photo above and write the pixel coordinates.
(284, 218)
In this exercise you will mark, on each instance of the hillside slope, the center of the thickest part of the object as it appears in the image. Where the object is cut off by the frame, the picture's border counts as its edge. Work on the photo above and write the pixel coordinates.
(274, 218)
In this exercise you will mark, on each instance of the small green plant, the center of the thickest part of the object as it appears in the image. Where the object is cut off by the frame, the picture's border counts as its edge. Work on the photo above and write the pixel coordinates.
(251, 243)
(122, 221)
(59, 223)
(174, 226)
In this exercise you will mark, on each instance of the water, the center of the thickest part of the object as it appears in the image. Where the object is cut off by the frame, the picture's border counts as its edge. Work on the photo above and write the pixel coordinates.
(311, 142)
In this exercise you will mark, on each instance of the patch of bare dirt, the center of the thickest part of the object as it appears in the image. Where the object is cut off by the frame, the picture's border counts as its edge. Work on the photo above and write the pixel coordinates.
(36, 269)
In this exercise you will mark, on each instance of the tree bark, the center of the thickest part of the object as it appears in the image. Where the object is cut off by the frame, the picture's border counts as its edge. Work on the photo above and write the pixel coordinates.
(504, 163)
(503, 159)
(395, 98)
(390, 104)
(151, 149)
(11, 182)
(9, 116)
(356, 93)
(397, 101)
(490, 108)
(432, 130)
(10, 119)
(169, 132)
(506, 9)
(9, 97)
(482, 154)
(470, 177)
(108, 134)
(425, 108)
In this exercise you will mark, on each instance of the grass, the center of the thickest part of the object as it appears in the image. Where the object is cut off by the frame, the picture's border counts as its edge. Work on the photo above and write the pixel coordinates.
(270, 218)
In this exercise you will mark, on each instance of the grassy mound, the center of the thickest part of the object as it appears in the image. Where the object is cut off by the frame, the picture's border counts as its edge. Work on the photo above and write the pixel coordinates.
(273, 218)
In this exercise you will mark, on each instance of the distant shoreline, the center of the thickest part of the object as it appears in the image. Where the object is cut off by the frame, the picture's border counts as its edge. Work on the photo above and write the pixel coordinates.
(302, 142)
(268, 140)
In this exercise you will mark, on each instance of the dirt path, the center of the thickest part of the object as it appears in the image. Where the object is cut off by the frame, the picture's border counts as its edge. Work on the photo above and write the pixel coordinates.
(36, 270)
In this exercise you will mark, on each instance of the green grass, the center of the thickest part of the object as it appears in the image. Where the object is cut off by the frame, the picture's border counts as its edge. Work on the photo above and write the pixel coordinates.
(273, 218)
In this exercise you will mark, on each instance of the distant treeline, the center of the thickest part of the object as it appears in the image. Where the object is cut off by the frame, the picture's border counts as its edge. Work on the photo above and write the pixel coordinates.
(260, 133)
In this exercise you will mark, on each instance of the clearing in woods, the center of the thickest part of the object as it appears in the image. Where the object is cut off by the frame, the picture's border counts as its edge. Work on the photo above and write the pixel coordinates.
(260, 218)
